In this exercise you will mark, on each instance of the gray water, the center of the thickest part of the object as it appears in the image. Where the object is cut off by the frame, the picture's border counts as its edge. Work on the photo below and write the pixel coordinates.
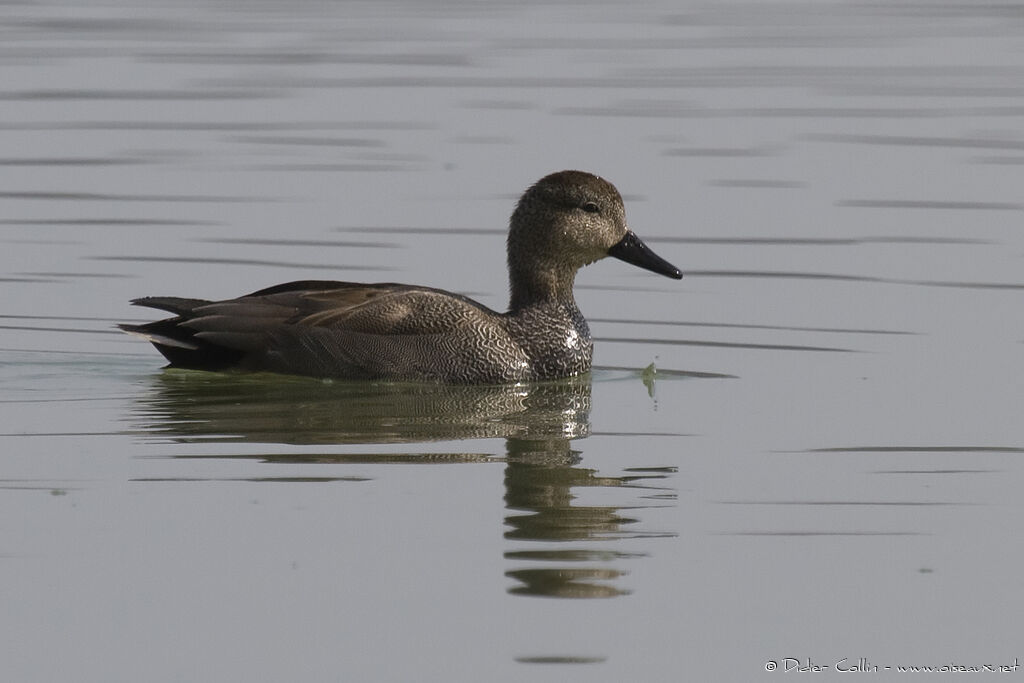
(805, 453)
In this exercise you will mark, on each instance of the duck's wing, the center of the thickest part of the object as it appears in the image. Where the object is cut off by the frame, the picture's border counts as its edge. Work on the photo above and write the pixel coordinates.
(326, 329)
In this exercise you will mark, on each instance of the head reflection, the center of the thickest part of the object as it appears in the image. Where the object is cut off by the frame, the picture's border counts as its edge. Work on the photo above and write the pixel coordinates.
(540, 478)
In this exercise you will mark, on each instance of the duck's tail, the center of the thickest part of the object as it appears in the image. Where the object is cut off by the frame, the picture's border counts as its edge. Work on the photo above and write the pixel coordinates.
(177, 342)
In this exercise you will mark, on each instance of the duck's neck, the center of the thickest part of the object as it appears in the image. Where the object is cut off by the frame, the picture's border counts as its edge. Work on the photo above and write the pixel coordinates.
(539, 286)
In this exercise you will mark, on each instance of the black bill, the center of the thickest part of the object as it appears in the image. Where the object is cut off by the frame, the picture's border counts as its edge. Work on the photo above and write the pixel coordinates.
(631, 250)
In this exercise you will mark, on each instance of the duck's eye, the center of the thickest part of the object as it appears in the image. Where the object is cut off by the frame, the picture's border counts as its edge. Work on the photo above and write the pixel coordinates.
(591, 207)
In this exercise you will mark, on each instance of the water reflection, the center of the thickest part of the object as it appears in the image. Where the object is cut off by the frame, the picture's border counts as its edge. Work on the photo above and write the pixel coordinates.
(543, 473)
(199, 407)
(539, 481)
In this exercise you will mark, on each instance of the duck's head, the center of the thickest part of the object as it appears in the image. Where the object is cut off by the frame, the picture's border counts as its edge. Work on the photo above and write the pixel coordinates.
(565, 221)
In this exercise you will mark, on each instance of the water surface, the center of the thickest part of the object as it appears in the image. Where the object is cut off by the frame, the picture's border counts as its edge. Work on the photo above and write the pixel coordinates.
(809, 448)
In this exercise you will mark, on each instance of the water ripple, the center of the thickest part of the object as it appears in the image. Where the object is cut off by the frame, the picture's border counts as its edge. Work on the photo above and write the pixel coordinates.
(918, 449)
(110, 222)
(791, 275)
(297, 243)
(106, 197)
(234, 262)
(726, 345)
(131, 95)
(1001, 144)
(929, 204)
(785, 328)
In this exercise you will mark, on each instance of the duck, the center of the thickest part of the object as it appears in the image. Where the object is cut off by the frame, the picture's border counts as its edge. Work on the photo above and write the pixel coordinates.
(400, 332)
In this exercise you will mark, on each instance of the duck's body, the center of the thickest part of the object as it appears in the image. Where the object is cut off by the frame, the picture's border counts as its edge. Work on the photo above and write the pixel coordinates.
(371, 331)
(405, 332)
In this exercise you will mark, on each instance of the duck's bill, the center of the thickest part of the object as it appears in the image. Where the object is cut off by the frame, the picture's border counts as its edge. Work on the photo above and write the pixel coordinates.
(632, 250)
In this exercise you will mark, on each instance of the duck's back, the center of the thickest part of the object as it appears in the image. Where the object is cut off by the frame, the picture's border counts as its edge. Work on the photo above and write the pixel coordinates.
(340, 329)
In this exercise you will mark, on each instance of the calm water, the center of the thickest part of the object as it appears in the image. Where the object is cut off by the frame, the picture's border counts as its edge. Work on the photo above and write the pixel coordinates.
(826, 464)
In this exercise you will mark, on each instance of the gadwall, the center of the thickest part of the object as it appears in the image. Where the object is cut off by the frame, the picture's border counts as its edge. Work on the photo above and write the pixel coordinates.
(405, 332)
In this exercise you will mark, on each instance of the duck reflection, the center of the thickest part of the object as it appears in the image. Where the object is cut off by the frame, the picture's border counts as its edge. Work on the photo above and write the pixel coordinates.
(540, 477)
(198, 407)
(538, 422)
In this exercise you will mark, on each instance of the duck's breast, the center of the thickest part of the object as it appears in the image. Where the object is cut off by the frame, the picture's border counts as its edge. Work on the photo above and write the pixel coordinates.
(555, 337)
